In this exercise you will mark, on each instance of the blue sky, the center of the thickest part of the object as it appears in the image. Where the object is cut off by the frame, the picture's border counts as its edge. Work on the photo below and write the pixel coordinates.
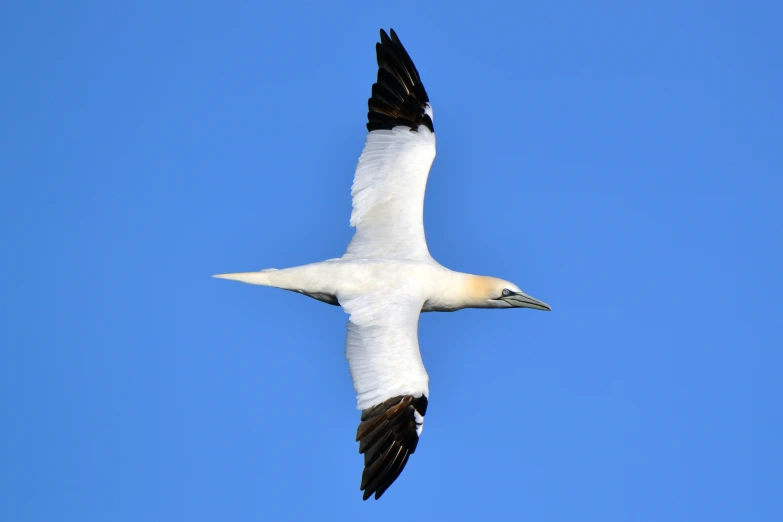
(622, 163)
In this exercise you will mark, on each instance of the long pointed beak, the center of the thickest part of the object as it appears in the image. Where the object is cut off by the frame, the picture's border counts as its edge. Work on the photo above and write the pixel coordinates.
(522, 300)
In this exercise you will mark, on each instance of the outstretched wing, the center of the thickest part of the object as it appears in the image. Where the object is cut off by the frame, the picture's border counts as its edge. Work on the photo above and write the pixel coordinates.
(391, 383)
(391, 177)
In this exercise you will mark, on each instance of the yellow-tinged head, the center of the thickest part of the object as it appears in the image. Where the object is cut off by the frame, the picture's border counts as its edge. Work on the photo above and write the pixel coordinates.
(491, 292)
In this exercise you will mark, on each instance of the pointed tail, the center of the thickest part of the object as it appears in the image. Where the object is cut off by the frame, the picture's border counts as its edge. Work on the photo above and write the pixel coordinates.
(254, 278)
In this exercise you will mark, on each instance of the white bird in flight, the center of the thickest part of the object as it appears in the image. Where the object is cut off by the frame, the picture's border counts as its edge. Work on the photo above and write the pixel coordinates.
(387, 276)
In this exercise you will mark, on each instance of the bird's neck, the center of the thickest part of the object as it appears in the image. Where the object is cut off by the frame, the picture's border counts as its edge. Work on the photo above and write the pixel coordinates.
(458, 290)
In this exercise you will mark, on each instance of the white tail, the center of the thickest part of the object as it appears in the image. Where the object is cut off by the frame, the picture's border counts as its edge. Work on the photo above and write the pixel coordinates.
(254, 278)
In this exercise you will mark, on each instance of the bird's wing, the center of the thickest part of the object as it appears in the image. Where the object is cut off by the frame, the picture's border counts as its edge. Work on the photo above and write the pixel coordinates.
(391, 383)
(391, 177)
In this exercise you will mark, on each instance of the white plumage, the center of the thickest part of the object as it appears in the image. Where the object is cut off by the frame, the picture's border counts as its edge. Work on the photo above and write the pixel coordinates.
(386, 276)
(382, 347)
(388, 194)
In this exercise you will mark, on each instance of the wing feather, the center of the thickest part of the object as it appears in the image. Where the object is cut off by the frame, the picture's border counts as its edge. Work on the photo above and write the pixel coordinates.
(391, 176)
(391, 383)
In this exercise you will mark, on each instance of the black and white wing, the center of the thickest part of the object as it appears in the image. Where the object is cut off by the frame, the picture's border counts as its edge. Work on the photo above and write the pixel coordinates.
(391, 383)
(391, 177)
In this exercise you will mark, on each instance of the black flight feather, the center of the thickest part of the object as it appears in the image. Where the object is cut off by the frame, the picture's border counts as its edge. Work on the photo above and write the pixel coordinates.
(387, 437)
(398, 97)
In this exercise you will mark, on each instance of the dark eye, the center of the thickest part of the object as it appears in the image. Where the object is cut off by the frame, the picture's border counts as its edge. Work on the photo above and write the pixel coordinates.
(507, 292)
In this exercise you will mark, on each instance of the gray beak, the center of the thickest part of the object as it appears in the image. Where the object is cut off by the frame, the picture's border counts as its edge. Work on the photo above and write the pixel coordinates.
(522, 300)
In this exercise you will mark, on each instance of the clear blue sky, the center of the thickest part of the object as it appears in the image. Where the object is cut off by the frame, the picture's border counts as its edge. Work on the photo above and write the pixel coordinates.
(622, 163)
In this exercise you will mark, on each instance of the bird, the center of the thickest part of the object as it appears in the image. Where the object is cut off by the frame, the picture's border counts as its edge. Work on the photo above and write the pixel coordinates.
(386, 278)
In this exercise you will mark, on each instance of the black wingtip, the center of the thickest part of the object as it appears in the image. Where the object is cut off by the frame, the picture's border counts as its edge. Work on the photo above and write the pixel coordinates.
(388, 436)
(399, 97)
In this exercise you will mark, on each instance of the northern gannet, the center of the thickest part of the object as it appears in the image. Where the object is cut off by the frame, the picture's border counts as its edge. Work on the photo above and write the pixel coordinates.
(386, 276)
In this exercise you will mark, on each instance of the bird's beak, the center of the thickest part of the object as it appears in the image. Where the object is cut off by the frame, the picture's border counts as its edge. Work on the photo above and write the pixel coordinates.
(522, 300)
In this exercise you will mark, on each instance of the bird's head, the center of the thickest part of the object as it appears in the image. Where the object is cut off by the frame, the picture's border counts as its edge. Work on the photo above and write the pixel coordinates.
(491, 292)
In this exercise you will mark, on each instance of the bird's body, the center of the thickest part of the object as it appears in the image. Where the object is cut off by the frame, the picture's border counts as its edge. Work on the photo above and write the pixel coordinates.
(441, 289)
(387, 276)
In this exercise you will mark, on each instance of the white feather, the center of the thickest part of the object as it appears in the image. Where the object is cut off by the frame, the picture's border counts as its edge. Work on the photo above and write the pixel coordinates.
(382, 347)
(388, 194)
